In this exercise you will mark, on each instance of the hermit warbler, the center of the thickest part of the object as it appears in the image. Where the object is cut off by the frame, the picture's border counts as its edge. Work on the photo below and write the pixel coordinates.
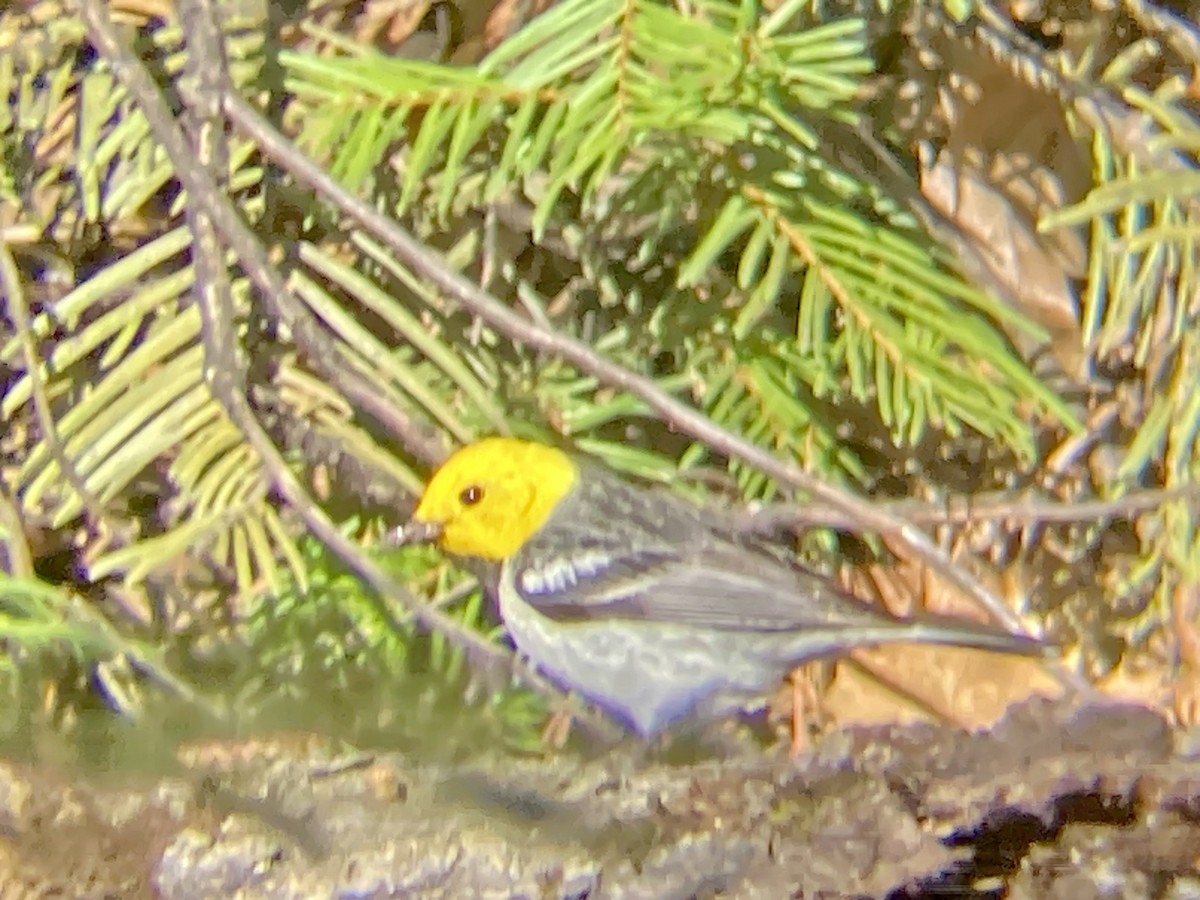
(652, 607)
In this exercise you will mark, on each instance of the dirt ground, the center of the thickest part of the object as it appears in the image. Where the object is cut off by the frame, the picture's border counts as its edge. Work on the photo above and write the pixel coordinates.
(1054, 802)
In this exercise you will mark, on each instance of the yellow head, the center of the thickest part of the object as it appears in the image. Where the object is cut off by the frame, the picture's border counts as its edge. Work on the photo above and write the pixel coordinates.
(490, 497)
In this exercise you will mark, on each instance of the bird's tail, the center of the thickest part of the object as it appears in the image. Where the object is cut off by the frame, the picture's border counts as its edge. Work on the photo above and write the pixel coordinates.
(962, 633)
(926, 630)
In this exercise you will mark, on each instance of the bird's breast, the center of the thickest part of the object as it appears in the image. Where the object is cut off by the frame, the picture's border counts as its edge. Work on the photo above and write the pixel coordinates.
(648, 674)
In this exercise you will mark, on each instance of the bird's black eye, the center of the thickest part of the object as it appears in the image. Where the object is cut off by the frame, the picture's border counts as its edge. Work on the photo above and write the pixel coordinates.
(471, 495)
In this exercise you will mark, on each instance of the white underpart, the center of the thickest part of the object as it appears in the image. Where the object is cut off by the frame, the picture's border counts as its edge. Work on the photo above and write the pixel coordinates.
(649, 674)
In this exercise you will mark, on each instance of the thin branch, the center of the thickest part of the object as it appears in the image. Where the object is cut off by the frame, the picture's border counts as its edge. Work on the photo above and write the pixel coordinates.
(324, 353)
(147, 661)
(1160, 21)
(10, 282)
(968, 510)
(212, 214)
(16, 545)
(223, 369)
(21, 561)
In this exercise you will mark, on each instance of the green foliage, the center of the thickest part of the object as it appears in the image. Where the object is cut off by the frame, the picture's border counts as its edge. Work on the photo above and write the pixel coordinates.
(323, 648)
(695, 138)
(52, 644)
(668, 182)
(36, 620)
(1140, 302)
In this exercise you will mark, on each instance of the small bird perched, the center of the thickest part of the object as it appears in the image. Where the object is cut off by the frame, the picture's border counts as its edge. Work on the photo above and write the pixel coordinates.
(651, 606)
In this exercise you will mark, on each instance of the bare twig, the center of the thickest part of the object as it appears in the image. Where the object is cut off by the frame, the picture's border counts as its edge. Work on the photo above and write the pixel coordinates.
(324, 353)
(12, 537)
(213, 216)
(965, 510)
(1159, 20)
(10, 282)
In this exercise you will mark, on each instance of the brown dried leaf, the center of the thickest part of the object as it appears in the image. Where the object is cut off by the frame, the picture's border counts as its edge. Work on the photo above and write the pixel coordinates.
(1036, 277)
(903, 682)
(907, 682)
(389, 22)
(508, 16)
(1009, 157)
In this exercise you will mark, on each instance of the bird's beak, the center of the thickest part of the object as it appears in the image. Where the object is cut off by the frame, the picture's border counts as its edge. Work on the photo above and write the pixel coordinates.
(414, 532)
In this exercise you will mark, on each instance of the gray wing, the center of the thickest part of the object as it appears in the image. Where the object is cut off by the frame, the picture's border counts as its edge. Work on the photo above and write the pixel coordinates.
(607, 554)
(717, 590)
(709, 582)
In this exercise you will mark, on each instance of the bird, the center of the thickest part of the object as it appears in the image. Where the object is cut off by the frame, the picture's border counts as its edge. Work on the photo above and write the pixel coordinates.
(655, 608)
